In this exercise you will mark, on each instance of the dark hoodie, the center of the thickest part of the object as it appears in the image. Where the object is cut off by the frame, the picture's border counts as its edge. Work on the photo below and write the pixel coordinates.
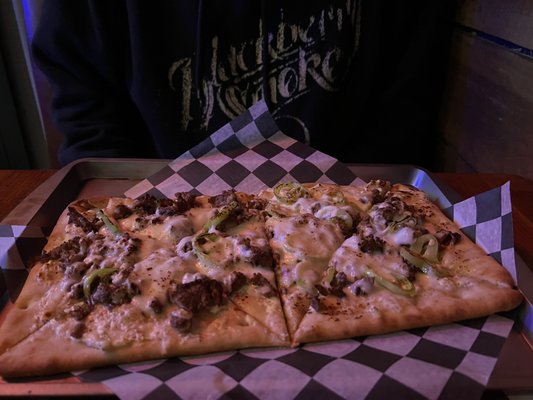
(358, 79)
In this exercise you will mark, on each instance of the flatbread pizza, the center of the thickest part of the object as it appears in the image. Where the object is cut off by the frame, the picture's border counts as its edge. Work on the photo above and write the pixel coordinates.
(123, 280)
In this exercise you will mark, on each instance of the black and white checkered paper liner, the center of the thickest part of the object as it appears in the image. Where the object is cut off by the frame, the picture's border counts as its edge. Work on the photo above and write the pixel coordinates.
(18, 246)
(248, 154)
(452, 361)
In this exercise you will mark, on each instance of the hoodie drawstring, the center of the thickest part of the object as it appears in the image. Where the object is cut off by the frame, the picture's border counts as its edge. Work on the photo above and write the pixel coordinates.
(199, 44)
(264, 50)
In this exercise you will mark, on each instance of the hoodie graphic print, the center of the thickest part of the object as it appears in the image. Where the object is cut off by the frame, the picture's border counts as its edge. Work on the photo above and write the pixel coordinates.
(308, 54)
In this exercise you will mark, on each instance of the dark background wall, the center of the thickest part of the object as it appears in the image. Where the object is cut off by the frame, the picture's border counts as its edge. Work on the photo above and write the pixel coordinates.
(486, 115)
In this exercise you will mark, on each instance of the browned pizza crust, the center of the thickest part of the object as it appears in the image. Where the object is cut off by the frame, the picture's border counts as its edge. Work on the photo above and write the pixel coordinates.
(45, 352)
(384, 313)
(20, 320)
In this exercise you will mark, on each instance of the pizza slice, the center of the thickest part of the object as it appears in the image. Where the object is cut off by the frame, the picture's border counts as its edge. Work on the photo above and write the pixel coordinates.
(125, 335)
(307, 224)
(124, 280)
(232, 247)
(36, 304)
(405, 266)
(220, 237)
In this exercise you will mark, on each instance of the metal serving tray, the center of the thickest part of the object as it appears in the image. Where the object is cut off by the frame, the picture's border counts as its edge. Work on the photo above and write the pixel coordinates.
(107, 177)
(112, 177)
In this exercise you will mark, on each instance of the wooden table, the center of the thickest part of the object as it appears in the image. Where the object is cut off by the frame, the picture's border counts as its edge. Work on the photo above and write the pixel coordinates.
(516, 360)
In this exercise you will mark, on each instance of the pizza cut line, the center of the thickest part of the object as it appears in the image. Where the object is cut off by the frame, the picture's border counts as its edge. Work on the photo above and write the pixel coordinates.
(123, 280)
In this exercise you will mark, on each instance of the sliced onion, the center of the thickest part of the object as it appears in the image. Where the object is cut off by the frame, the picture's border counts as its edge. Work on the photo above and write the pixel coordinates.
(203, 256)
(305, 275)
(190, 277)
(417, 262)
(401, 221)
(274, 210)
(365, 285)
(427, 246)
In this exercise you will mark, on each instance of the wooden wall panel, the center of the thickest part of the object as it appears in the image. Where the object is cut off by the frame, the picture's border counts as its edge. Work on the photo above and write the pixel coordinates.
(487, 111)
(487, 115)
(511, 20)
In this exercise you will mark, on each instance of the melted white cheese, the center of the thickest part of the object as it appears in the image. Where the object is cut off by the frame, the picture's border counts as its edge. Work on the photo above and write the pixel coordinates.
(354, 263)
(171, 230)
(128, 324)
(154, 274)
(403, 236)
(199, 216)
(231, 253)
(305, 248)
(297, 239)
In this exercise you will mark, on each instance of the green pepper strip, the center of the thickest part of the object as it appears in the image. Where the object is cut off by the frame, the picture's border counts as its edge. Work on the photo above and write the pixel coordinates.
(89, 279)
(221, 215)
(203, 257)
(289, 192)
(421, 264)
(111, 226)
(401, 286)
